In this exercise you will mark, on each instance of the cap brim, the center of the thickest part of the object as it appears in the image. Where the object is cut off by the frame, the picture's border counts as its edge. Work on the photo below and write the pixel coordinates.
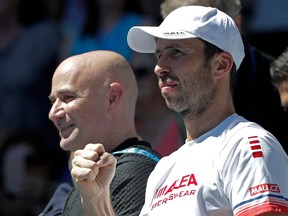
(142, 38)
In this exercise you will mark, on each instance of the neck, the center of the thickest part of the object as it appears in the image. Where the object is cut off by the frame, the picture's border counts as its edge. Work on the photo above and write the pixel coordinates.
(120, 134)
(198, 125)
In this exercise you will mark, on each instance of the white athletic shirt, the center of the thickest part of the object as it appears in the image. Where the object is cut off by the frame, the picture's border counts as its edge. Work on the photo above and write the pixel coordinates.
(237, 168)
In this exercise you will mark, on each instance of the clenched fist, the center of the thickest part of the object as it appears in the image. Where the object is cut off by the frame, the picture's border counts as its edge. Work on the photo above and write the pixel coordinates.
(92, 172)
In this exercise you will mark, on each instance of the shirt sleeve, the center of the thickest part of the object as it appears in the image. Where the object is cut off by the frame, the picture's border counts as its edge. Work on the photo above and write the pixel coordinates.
(255, 178)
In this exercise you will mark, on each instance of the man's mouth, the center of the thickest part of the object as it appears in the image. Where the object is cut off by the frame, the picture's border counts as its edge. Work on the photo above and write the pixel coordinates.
(167, 86)
(66, 130)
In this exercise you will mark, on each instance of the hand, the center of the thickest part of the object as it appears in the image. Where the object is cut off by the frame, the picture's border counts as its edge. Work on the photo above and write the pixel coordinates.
(92, 171)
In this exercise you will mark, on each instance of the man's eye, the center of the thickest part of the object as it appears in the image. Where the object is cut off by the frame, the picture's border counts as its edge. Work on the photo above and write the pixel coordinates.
(68, 98)
(174, 52)
(158, 55)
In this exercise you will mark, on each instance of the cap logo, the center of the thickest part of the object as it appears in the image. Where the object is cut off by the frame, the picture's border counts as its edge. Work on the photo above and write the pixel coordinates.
(171, 34)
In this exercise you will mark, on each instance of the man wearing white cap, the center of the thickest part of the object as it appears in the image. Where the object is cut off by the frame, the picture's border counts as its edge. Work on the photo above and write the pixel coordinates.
(228, 165)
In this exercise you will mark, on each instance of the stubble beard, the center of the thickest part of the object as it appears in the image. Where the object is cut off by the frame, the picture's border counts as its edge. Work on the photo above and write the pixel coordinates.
(195, 98)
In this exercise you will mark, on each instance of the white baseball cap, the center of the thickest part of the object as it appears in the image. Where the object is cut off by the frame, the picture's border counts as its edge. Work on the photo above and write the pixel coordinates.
(207, 23)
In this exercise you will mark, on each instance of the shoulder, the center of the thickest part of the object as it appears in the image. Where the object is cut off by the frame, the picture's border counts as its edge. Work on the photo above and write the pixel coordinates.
(250, 145)
(136, 159)
(138, 153)
(135, 148)
(245, 134)
(237, 138)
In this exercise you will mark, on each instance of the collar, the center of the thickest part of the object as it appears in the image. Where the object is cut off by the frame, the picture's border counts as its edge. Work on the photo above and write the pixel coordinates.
(133, 141)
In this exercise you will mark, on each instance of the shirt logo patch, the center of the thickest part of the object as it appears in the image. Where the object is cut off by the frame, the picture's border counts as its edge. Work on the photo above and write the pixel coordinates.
(255, 146)
(180, 188)
(264, 188)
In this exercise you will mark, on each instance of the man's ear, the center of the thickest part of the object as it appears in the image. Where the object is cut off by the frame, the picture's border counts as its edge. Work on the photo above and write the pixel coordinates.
(114, 96)
(223, 63)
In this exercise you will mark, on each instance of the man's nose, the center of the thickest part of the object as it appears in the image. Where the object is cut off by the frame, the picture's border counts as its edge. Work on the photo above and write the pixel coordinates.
(56, 111)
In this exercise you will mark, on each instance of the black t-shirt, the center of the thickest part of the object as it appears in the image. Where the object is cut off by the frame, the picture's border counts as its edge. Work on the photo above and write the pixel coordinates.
(128, 185)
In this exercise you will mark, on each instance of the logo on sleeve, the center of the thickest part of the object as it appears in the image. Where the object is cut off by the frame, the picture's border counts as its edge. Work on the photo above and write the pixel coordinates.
(255, 146)
(264, 188)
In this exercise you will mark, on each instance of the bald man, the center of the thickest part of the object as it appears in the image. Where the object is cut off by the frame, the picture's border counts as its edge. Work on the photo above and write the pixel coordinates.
(93, 99)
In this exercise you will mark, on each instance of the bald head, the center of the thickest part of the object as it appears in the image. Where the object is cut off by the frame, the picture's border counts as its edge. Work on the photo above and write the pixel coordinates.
(98, 88)
(99, 69)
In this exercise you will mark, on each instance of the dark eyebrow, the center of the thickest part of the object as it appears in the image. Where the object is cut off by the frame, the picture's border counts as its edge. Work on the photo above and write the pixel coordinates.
(157, 51)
